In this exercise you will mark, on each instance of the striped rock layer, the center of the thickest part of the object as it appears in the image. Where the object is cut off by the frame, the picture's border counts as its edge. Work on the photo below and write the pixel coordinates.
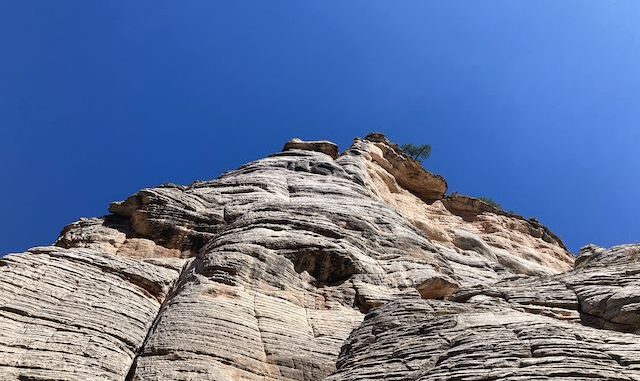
(310, 265)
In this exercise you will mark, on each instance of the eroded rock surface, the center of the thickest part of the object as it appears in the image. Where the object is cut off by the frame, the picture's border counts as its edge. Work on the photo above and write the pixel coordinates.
(76, 314)
(268, 271)
(406, 172)
(522, 245)
(323, 146)
(603, 291)
(481, 340)
(561, 327)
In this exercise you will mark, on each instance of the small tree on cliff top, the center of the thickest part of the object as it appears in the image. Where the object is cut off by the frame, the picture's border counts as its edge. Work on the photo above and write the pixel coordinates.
(416, 152)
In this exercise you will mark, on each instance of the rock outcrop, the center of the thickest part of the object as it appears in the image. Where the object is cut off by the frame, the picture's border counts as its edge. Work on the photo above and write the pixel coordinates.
(323, 146)
(306, 265)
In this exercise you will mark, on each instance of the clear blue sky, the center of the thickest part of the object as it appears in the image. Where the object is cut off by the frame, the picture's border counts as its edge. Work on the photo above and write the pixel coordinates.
(535, 103)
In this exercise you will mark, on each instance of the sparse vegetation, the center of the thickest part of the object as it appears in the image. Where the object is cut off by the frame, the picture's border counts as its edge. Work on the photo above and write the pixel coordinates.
(491, 202)
(416, 152)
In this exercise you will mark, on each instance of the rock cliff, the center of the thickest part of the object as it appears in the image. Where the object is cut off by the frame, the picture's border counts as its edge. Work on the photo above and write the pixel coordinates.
(310, 265)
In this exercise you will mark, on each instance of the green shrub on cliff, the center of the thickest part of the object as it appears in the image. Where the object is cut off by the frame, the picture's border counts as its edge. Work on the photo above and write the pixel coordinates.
(416, 152)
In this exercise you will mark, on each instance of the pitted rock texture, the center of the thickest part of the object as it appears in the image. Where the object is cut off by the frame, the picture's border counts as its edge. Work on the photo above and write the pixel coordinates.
(266, 272)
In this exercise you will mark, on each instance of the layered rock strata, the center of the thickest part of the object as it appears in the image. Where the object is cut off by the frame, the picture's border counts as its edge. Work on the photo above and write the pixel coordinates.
(268, 271)
(578, 325)
(77, 314)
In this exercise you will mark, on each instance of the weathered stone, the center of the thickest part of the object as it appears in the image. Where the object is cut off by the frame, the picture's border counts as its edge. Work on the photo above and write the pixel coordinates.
(287, 254)
(522, 245)
(76, 314)
(436, 287)
(470, 208)
(112, 235)
(323, 146)
(93, 233)
(603, 292)
(481, 340)
(408, 173)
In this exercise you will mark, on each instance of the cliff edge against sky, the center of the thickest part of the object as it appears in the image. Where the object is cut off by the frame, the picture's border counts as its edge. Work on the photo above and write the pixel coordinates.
(311, 265)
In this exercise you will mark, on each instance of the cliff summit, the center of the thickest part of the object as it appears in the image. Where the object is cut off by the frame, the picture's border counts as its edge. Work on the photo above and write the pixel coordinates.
(314, 265)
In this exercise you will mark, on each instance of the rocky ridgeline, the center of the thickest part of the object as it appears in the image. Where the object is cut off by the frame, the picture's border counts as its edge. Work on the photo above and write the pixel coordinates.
(307, 265)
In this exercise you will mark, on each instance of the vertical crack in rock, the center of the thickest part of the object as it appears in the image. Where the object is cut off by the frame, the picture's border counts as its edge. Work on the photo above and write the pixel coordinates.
(75, 313)
(257, 317)
(174, 289)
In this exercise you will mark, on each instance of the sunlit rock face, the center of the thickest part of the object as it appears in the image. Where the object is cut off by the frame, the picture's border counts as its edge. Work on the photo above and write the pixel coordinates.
(309, 265)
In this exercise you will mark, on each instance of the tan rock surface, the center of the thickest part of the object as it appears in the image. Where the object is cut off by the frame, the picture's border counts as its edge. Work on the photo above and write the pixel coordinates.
(407, 173)
(478, 341)
(76, 314)
(523, 245)
(265, 272)
(323, 146)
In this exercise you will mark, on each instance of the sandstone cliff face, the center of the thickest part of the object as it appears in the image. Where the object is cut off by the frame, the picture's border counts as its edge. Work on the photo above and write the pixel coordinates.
(306, 265)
